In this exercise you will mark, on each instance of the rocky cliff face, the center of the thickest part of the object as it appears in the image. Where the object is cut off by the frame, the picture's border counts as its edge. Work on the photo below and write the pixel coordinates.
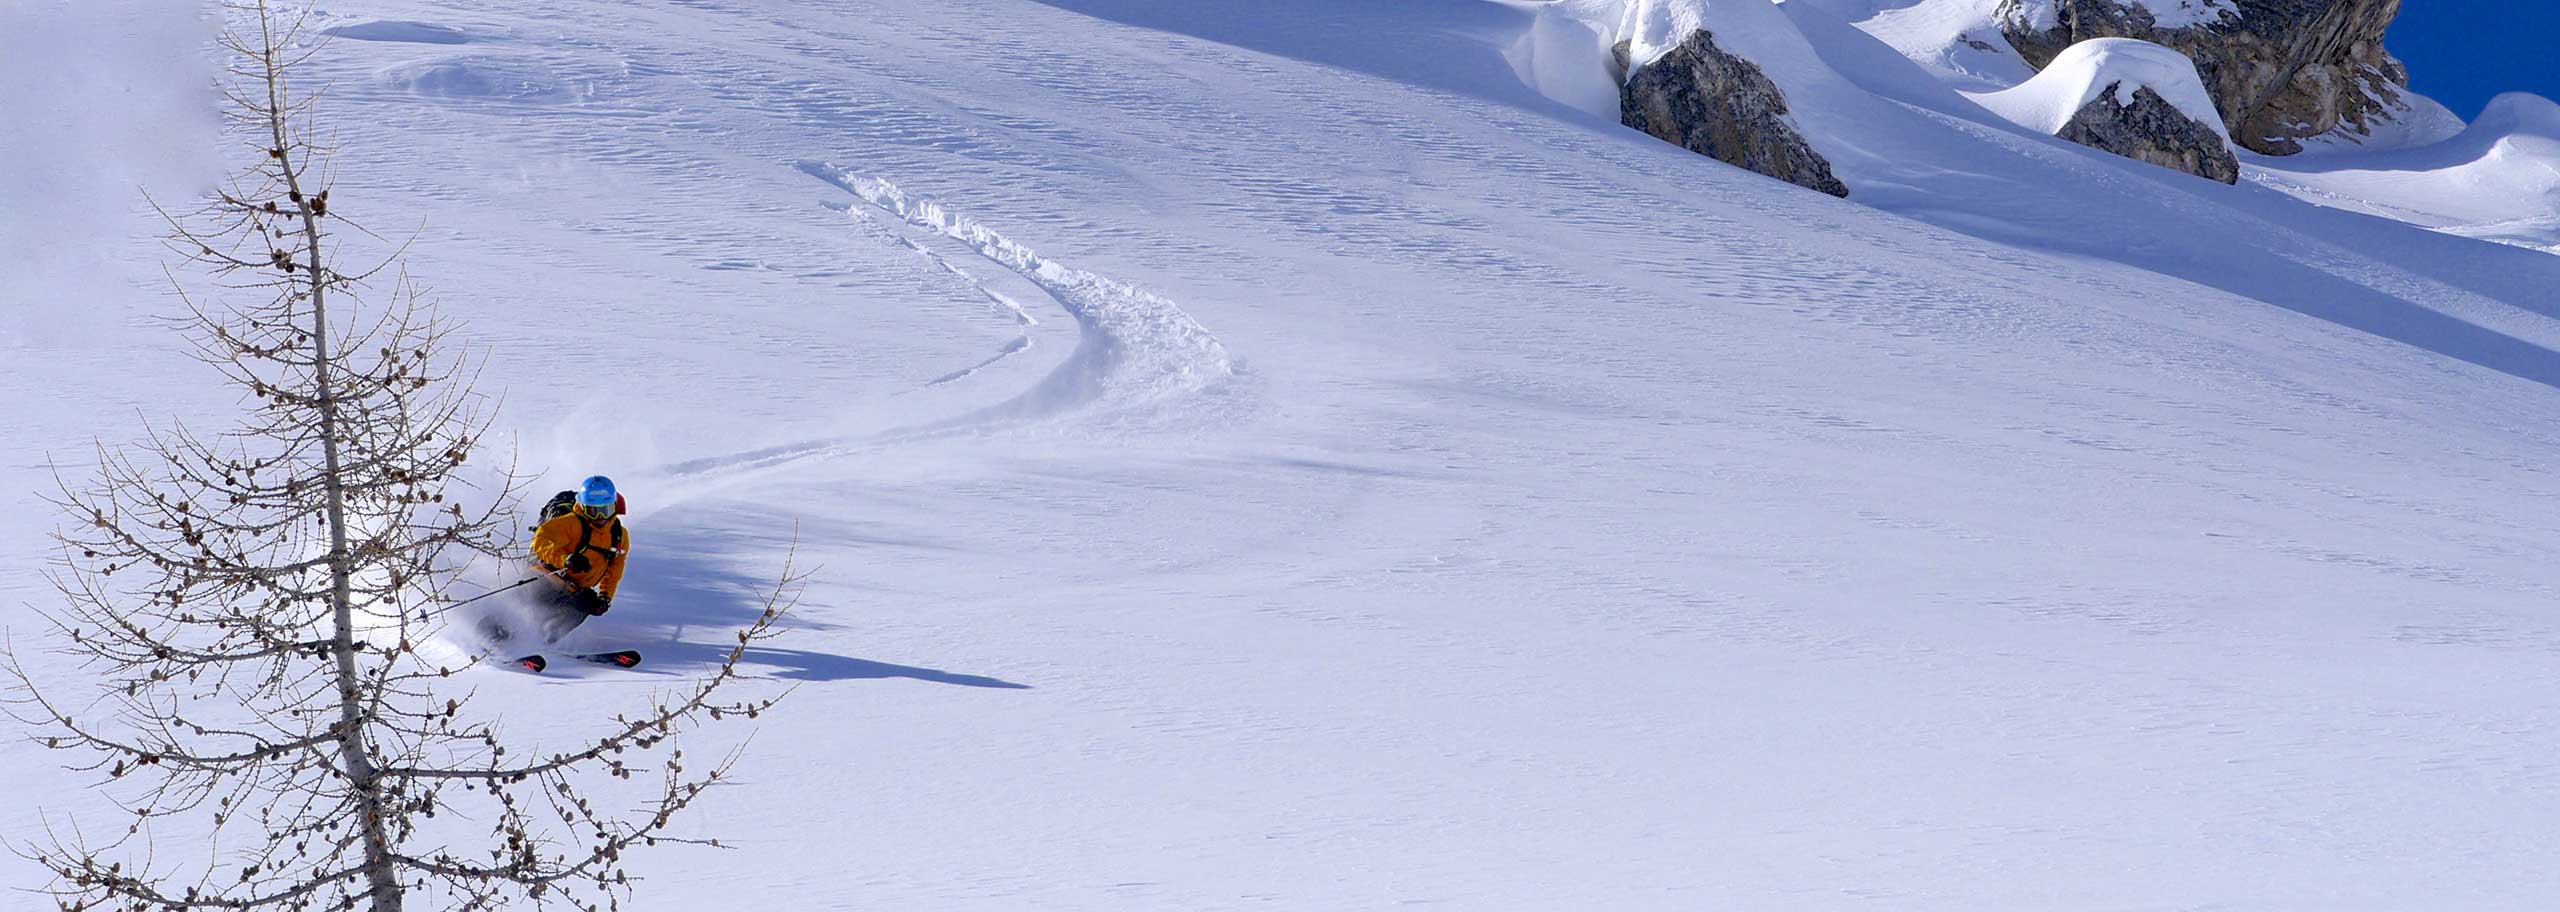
(2280, 70)
(2148, 128)
(1722, 106)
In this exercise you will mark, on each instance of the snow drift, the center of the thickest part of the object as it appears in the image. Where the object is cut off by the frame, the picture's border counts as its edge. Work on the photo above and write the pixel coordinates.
(2167, 14)
(2407, 159)
(1649, 29)
(2498, 179)
(2131, 98)
(1712, 76)
(1850, 99)
(2082, 74)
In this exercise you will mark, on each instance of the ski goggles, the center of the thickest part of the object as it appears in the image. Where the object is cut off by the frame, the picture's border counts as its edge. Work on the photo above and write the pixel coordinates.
(596, 511)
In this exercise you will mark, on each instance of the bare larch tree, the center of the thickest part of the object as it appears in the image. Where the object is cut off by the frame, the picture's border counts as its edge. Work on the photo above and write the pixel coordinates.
(257, 605)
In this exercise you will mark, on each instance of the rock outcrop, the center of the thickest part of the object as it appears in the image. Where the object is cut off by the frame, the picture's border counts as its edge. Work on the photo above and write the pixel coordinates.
(1720, 105)
(2280, 71)
(2133, 98)
(2148, 128)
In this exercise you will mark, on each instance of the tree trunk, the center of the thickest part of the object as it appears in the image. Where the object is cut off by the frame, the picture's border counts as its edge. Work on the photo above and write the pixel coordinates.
(381, 879)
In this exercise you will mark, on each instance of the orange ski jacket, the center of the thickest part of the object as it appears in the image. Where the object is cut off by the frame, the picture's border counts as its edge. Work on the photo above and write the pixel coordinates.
(604, 545)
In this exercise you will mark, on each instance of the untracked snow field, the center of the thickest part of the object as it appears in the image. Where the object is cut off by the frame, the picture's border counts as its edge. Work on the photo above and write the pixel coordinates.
(1266, 456)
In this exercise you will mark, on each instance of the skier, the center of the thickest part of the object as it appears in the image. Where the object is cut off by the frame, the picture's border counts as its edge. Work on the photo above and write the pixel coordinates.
(580, 550)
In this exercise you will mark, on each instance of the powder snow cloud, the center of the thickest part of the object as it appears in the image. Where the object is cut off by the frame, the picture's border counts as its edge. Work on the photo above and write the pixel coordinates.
(107, 99)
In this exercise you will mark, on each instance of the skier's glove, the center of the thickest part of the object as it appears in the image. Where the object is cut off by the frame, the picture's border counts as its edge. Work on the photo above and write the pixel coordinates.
(595, 603)
(577, 563)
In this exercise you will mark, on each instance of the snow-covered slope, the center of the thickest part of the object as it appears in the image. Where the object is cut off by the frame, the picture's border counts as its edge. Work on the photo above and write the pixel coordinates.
(2498, 180)
(1270, 456)
(2420, 165)
(78, 134)
(1957, 40)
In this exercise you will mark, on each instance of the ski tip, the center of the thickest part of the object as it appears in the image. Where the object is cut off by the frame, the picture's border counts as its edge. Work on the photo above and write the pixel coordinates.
(533, 663)
(625, 659)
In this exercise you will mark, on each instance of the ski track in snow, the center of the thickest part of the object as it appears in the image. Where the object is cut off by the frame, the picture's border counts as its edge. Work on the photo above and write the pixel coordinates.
(1135, 350)
(1139, 348)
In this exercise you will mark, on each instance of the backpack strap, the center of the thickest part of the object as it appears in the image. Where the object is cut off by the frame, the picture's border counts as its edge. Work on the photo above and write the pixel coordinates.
(586, 540)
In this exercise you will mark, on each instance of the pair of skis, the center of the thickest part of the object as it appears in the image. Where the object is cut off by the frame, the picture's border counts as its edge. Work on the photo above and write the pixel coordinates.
(628, 658)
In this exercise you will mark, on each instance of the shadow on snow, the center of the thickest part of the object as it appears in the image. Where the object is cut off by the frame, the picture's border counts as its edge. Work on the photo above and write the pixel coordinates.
(684, 601)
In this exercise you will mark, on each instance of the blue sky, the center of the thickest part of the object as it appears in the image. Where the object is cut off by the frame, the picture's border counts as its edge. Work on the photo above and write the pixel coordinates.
(2464, 53)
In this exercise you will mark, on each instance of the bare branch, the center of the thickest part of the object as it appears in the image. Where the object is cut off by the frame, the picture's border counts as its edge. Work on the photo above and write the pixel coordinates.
(253, 603)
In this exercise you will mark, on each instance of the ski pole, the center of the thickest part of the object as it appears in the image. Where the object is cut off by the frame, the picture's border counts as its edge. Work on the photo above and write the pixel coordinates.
(522, 582)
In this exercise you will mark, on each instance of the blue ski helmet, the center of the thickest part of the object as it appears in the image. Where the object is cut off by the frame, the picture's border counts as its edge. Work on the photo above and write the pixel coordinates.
(596, 498)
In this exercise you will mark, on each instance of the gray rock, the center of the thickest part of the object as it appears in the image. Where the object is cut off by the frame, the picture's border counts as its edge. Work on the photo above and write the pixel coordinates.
(2153, 130)
(2280, 71)
(1722, 106)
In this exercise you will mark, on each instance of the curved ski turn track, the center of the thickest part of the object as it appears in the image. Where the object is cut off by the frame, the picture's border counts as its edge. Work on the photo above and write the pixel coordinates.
(1135, 352)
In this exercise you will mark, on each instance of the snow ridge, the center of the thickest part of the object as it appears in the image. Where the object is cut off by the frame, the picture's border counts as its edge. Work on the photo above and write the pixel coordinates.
(2175, 14)
(2083, 74)
(2045, 15)
(1752, 29)
(2496, 180)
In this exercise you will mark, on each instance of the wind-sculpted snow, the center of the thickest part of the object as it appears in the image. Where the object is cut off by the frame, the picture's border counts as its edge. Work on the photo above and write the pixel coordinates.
(505, 79)
(2498, 179)
(2083, 73)
(2418, 164)
(1744, 85)
(2167, 14)
(1651, 29)
(1957, 41)
(399, 31)
(2132, 98)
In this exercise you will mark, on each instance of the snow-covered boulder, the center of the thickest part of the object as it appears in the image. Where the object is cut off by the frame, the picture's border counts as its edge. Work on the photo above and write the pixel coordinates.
(1717, 104)
(1711, 76)
(2133, 98)
(2279, 71)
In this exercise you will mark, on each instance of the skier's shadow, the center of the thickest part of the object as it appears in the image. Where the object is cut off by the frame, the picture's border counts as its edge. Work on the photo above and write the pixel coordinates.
(682, 605)
(803, 665)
